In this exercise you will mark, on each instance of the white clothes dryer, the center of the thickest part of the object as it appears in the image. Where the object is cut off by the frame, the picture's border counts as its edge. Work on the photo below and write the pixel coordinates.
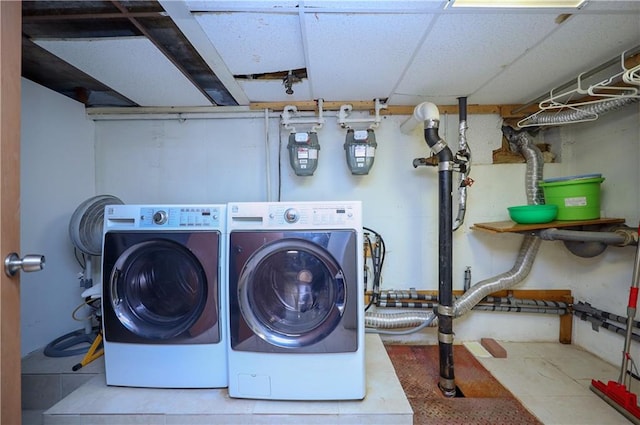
(163, 297)
(296, 301)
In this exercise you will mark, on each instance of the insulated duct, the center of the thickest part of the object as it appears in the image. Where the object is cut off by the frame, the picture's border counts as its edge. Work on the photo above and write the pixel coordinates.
(579, 113)
(397, 320)
(603, 319)
(520, 141)
(518, 272)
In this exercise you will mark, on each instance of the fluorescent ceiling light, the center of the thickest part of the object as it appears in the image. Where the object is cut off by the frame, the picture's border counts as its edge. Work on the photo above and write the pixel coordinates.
(518, 3)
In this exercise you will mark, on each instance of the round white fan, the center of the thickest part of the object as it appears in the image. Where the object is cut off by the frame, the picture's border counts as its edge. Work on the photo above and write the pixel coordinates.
(85, 226)
(85, 231)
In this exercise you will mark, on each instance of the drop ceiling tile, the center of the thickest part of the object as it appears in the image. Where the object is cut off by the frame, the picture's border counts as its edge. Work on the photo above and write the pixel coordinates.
(132, 66)
(230, 5)
(464, 51)
(377, 5)
(255, 43)
(617, 6)
(586, 43)
(316, 5)
(360, 56)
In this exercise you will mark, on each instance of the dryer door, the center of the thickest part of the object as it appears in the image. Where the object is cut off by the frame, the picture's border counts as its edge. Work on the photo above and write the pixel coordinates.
(292, 294)
(158, 291)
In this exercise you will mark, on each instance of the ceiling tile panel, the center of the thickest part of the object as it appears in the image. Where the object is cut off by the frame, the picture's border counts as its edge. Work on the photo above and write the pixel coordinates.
(360, 56)
(407, 50)
(587, 42)
(132, 66)
(464, 51)
(246, 5)
(255, 43)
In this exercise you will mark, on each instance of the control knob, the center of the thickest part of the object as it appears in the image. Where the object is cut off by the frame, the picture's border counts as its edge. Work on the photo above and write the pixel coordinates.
(291, 215)
(160, 217)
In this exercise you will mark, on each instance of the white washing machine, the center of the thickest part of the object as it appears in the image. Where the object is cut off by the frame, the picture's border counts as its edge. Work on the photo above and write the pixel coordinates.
(163, 296)
(296, 301)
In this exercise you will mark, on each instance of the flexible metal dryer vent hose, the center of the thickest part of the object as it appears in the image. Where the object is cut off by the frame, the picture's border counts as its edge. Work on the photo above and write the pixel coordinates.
(522, 142)
(579, 113)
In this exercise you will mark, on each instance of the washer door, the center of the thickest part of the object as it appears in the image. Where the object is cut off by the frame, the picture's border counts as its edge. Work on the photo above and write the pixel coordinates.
(158, 289)
(291, 293)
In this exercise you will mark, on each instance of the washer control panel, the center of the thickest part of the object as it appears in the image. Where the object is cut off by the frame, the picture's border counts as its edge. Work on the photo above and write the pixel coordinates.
(196, 216)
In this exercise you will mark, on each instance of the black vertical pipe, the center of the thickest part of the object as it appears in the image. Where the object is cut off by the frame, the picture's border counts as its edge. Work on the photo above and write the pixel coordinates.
(445, 255)
(462, 109)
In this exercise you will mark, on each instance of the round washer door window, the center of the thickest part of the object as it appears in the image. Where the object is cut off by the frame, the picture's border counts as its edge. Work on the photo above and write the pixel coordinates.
(158, 289)
(292, 293)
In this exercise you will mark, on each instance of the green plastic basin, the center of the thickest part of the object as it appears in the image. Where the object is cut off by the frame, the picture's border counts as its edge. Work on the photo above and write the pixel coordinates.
(532, 214)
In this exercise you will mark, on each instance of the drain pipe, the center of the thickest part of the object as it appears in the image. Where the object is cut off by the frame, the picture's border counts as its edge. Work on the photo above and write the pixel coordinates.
(445, 251)
(430, 115)
(589, 244)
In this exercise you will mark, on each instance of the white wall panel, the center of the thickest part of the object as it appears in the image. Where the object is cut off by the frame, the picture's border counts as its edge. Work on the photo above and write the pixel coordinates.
(57, 174)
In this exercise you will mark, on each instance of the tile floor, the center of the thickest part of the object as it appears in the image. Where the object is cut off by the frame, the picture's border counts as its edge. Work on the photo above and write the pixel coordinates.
(552, 380)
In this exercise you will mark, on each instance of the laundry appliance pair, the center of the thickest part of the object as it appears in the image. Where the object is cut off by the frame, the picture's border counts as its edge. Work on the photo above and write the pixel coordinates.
(264, 298)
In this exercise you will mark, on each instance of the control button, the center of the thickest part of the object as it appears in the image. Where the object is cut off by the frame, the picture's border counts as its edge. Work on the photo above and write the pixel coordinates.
(160, 217)
(291, 215)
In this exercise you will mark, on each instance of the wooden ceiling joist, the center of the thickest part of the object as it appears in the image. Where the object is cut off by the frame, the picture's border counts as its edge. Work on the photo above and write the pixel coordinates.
(503, 110)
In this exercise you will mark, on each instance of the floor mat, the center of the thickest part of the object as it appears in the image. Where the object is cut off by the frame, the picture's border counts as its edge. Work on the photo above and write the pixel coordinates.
(485, 400)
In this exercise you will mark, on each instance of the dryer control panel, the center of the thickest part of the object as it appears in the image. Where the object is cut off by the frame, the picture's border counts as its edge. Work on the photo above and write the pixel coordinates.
(311, 215)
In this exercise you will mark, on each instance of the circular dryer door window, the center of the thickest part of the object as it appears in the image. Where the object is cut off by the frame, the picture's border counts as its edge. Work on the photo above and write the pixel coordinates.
(158, 289)
(292, 293)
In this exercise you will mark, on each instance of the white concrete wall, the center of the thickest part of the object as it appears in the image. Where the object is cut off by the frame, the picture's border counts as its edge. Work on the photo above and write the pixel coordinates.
(611, 146)
(57, 174)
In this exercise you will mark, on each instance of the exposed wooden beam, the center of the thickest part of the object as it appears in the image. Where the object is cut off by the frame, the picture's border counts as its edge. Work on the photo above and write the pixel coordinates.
(93, 15)
(502, 110)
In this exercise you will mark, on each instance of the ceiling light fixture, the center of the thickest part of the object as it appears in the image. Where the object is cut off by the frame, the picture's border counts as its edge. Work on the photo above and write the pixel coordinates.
(519, 3)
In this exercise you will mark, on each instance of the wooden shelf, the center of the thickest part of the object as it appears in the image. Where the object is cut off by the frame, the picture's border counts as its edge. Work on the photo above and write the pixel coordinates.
(509, 226)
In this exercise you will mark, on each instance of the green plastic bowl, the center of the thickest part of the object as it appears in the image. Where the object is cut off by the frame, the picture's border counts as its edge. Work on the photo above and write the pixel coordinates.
(533, 214)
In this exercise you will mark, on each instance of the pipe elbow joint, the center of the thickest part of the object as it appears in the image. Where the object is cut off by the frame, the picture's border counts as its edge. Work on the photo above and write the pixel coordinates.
(630, 236)
(426, 111)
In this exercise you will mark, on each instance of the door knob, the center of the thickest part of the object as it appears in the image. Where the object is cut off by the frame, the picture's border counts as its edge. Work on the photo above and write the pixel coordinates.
(30, 263)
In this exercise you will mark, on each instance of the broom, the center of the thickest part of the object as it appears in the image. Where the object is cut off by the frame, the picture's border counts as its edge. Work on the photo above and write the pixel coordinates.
(617, 394)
